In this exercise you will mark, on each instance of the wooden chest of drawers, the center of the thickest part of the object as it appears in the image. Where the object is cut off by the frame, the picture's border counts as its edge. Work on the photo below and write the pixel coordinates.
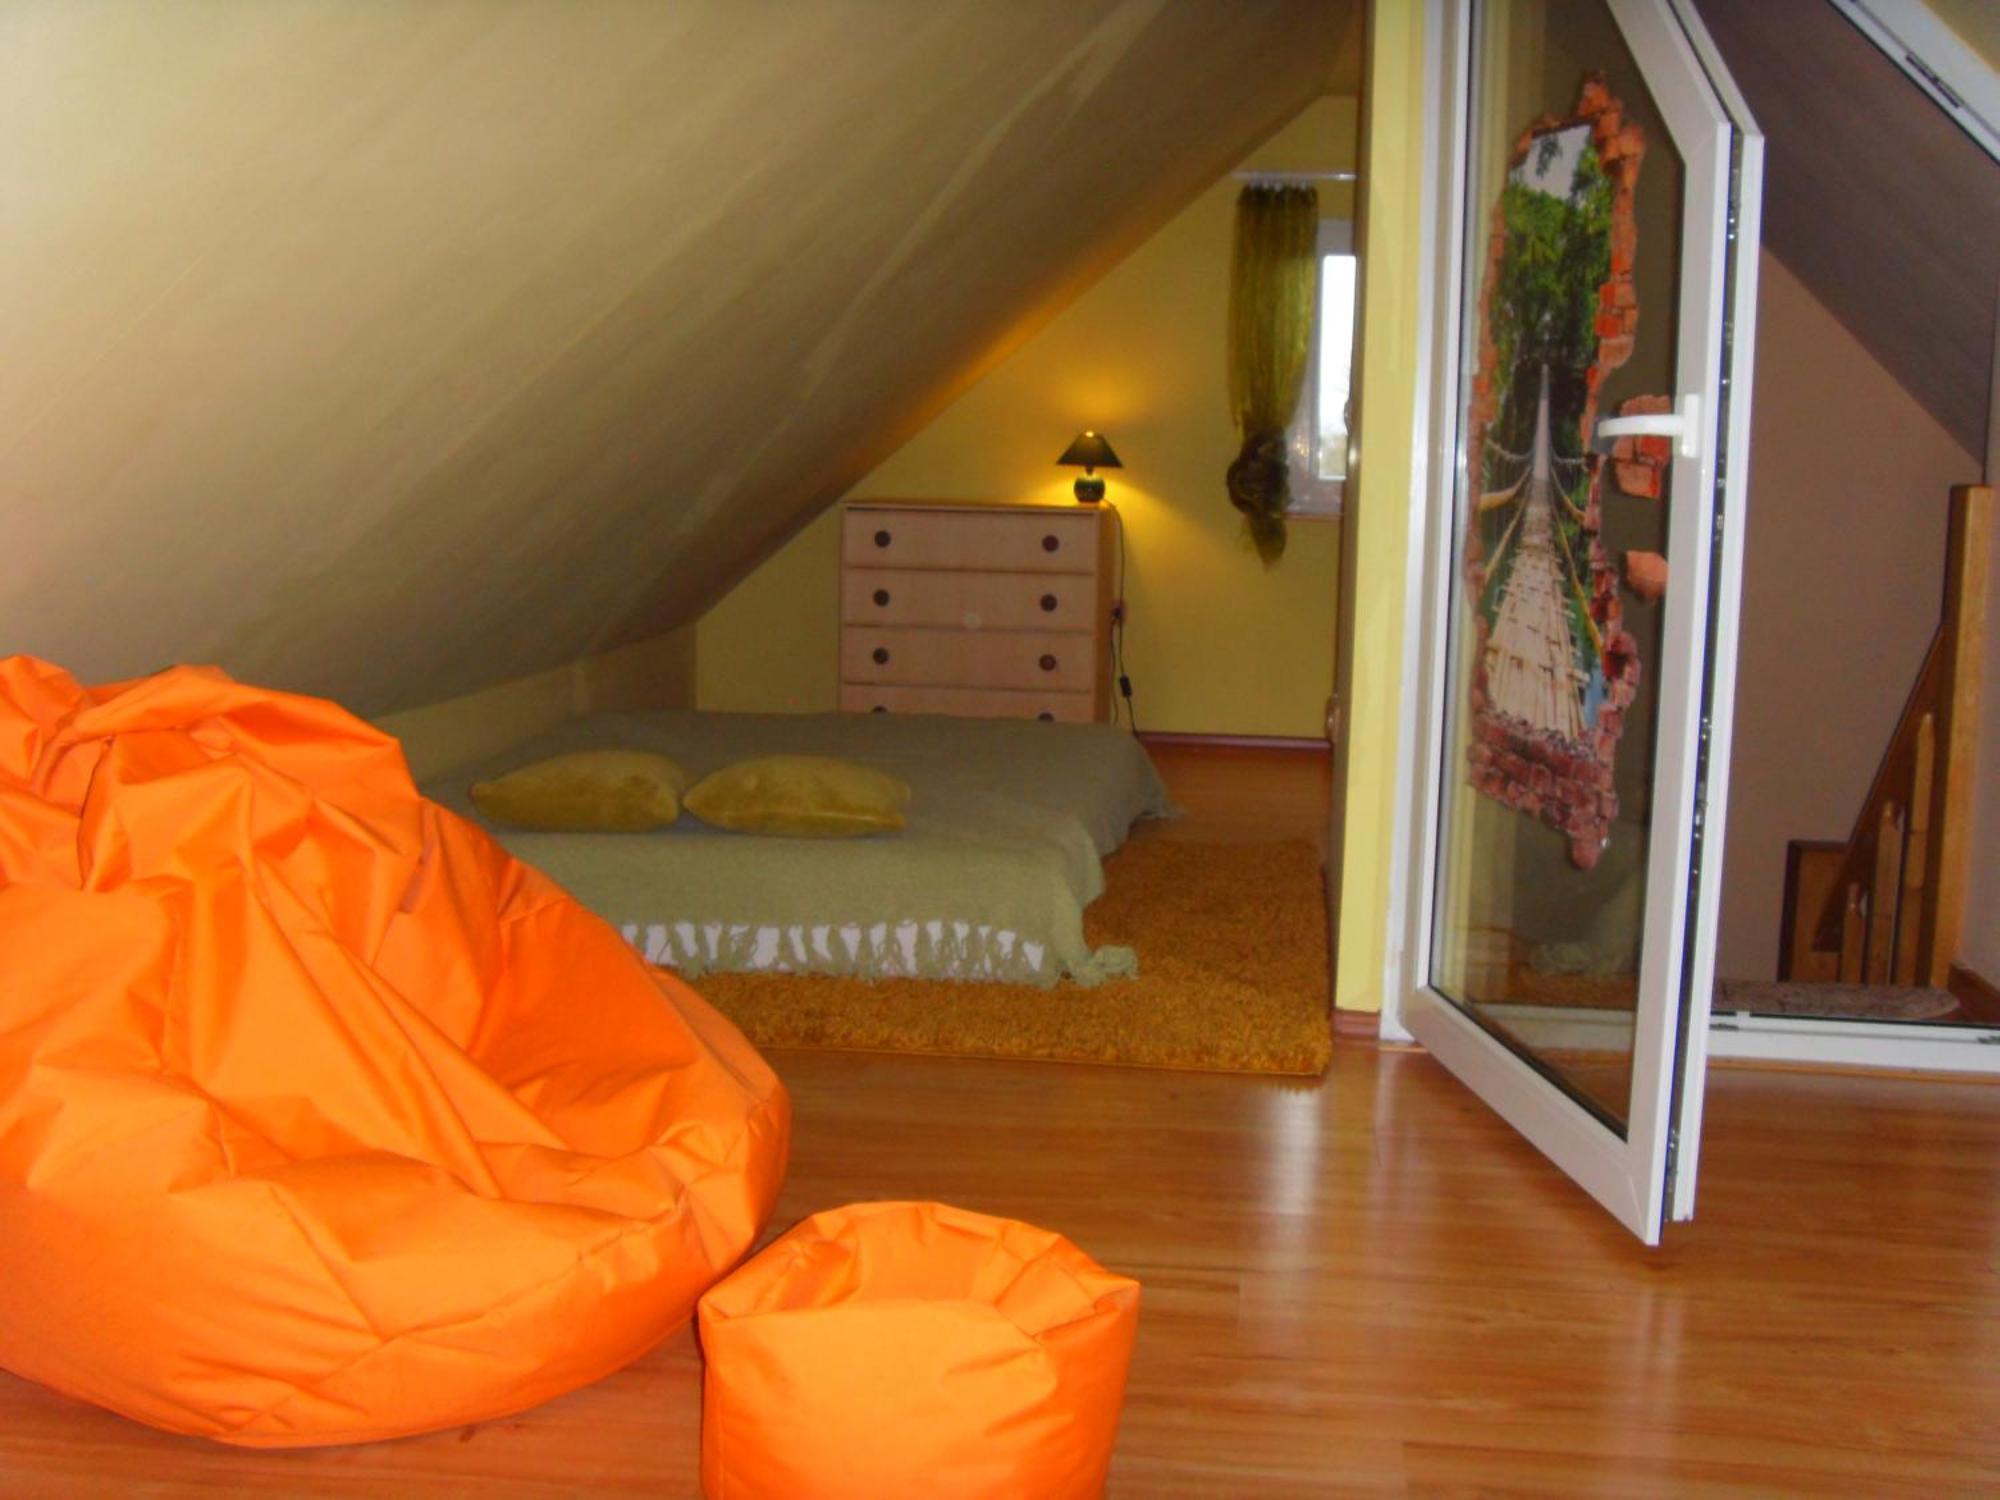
(991, 611)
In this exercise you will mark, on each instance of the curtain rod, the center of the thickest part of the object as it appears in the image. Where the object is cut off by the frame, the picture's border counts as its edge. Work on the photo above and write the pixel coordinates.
(1249, 176)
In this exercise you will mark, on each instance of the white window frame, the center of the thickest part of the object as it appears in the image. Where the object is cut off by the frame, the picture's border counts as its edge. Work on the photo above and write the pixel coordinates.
(1313, 498)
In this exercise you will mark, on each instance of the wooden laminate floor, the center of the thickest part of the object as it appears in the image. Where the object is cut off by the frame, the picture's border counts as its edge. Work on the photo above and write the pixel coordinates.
(1239, 794)
(1365, 1287)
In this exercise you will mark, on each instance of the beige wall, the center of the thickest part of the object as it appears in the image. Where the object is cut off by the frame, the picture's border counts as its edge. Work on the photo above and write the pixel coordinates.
(649, 674)
(1216, 643)
(388, 351)
(1844, 569)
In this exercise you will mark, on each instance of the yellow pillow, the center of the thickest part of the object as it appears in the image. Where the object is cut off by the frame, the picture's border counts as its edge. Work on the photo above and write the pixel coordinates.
(591, 791)
(806, 796)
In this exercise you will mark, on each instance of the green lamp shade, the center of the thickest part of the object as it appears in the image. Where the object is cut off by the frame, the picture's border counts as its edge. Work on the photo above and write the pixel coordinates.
(1090, 451)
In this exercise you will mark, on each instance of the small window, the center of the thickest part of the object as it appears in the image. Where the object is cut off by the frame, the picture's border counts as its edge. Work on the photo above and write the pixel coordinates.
(1318, 439)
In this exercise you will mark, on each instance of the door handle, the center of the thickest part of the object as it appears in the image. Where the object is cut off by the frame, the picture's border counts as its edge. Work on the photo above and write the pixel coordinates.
(1684, 424)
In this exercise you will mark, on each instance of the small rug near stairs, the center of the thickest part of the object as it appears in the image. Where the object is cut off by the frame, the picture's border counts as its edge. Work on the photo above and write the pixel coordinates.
(1822, 1001)
(1232, 978)
(1835, 1002)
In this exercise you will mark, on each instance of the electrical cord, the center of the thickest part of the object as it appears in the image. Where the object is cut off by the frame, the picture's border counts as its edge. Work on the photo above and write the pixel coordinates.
(1118, 632)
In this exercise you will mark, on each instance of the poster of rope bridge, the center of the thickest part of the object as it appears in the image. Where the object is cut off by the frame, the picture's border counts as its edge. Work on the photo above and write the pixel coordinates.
(1554, 669)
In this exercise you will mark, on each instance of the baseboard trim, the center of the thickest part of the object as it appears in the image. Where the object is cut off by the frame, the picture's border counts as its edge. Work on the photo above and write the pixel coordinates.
(1357, 1025)
(1293, 744)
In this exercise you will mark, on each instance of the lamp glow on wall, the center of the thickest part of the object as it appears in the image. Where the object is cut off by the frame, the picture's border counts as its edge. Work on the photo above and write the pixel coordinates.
(1090, 452)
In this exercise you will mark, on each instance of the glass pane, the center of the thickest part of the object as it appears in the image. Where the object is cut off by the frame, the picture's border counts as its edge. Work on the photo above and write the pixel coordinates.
(1336, 359)
(1572, 266)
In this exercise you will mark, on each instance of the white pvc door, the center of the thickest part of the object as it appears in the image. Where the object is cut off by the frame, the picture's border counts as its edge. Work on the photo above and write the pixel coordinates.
(1598, 184)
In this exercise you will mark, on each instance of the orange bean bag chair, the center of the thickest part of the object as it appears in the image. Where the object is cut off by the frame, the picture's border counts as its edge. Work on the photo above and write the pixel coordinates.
(890, 1350)
(321, 1118)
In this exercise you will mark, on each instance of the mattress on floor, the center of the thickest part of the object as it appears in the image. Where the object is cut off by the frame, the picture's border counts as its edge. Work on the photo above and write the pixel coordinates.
(1007, 826)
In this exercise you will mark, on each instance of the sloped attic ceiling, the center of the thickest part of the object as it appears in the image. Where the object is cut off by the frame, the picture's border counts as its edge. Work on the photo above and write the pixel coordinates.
(1874, 198)
(387, 350)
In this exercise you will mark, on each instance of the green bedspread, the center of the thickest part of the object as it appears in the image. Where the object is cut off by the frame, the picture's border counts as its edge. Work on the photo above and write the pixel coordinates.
(1008, 822)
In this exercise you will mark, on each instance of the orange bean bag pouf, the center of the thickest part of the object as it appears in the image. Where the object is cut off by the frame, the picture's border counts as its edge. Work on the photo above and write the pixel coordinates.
(321, 1118)
(911, 1351)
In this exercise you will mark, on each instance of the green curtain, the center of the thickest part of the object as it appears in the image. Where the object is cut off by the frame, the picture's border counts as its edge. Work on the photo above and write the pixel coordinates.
(1273, 279)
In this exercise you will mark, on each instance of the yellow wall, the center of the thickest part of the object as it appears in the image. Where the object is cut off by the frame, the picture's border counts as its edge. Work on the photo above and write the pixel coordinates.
(1977, 25)
(772, 644)
(1398, 102)
(1215, 642)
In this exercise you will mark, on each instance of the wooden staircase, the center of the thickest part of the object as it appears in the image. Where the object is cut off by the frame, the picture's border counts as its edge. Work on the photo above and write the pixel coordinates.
(1885, 907)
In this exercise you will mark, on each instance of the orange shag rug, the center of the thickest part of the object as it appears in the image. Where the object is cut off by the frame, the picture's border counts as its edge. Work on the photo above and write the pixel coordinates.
(1232, 978)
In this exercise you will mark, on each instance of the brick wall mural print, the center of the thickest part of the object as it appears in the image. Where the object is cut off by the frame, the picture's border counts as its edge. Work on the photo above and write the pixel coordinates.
(1554, 669)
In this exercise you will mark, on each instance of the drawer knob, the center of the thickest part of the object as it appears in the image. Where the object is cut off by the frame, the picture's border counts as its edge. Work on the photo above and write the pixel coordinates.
(880, 708)
(881, 538)
(1048, 604)
(881, 654)
(882, 596)
(1048, 661)
(1050, 543)
(1046, 717)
